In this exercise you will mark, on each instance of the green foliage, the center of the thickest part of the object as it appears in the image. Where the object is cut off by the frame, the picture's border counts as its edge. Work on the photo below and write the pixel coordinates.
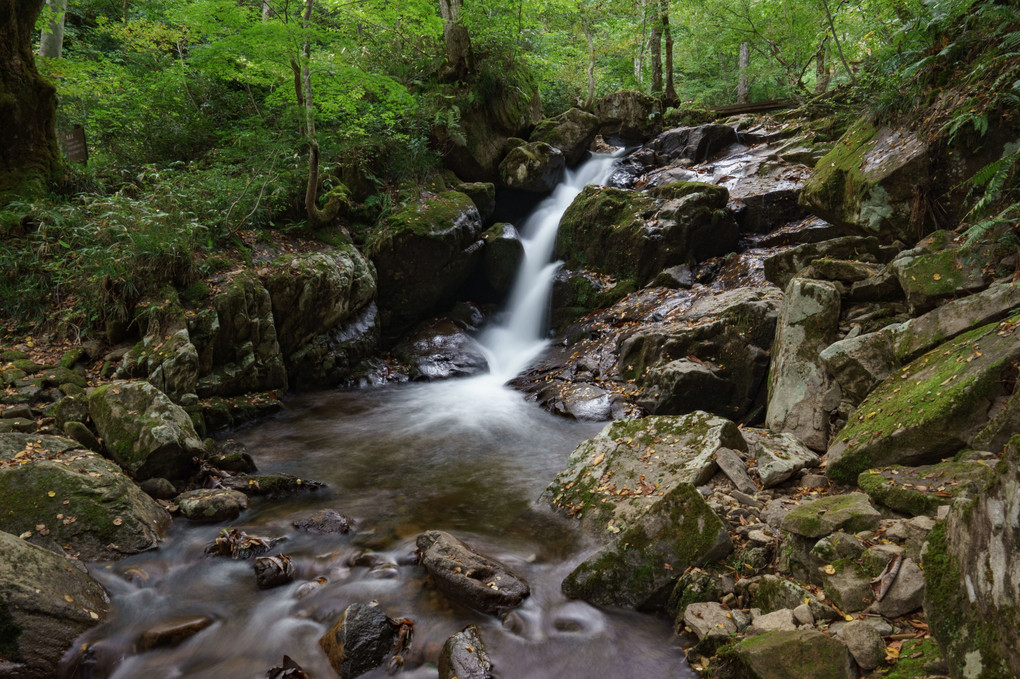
(997, 208)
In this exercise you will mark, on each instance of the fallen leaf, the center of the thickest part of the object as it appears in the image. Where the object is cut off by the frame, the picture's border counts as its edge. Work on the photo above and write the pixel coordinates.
(51, 494)
(830, 569)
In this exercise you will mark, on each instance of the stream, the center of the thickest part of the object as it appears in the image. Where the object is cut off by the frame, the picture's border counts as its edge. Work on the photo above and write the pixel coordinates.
(469, 456)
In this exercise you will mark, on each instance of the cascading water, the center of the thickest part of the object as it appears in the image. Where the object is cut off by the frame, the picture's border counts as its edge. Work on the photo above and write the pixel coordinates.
(469, 456)
(512, 345)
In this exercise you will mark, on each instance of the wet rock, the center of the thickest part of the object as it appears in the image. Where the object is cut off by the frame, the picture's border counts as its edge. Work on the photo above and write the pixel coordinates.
(865, 644)
(572, 132)
(778, 456)
(713, 356)
(325, 522)
(46, 603)
(972, 597)
(359, 641)
(172, 633)
(535, 167)
(273, 571)
(676, 277)
(464, 656)
(932, 408)
(920, 490)
(502, 256)
(906, 593)
(694, 143)
(801, 393)
(239, 545)
(868, 183)
(211, 505)
(288, 670)
(317, 299)
(144, 431)
(61, 495)
(608, 482)
(636, 570)
(703, 618)
(273, 485)
(423, 254)
(852, 512)
(440, 349)
(781, 268)
(234, 461)
(468, 578)
(629, 117)
(795, 654)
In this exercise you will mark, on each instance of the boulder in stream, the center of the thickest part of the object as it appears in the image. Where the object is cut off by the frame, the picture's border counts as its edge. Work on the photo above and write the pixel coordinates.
(211, 505)
(572, 132)
(476, 581)
(360, 640)
(464, 656)
(535, 167)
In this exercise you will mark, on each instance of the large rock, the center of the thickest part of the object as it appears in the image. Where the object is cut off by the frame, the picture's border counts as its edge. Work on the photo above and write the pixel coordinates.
(423, 254)
(464, 656)
(795, 654)
(629, 117)
(713, 357)
(572, 132)
(868, 184)
(476, 581)
(535, 167)
(440, 349)
(852, 512)
(972, 578)
(45, 604)
(637, 570)
(316, 294)
(778, 456)
(801, 392)
(144, 431)
(865, 643)
(360, 640)
(694, 143)
(636, 235)
(939, 268)
(502, 256)
(933, 407)
(615, 477)
(781, 267)
(921, 490)
(236, 341)
(66, 498)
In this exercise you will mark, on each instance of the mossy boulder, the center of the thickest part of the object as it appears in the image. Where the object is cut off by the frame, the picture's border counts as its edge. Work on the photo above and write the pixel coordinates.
(921, 490)
(781, 267)
(572, 132)
(802, 394)
(630, 234)
(949, 271)
(628, 116)
(624, 471)
(145, 432)
(45, 604)
(694, 143)
(636, 570)
(535, 167)
(714, 357)
(868, 183)
(316, 298)
(84, 504)
(772, 593)
(852, 512)
(502, 257)
(212, 505)
(578, 292)
(482, 194)
(933, 407)
(236, 341)
(972, 585)
(794, 654)
(423, 254)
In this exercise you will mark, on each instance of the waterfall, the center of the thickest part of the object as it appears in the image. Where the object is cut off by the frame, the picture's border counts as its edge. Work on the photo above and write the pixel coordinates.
(518, 338)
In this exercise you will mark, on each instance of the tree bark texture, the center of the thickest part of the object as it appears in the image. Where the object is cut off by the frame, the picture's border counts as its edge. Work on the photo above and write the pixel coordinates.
(29, 155)
(51, 42)
(459, 57)
(655, 51)
(744, 63)
(822, 74)
(316, 217)
(669, 96)
(589, 101)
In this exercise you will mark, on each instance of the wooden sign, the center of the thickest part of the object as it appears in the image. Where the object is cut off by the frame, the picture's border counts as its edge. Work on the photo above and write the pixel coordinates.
(74, 145)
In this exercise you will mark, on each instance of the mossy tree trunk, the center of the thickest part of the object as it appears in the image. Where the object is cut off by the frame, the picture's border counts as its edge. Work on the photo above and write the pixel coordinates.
(669, 97)
(29, 156)
(655, 50)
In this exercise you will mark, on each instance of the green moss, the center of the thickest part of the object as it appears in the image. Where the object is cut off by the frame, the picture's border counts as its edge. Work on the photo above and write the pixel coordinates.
(29, 366)
(12, 355)
(837, 176)
(909, 667)
(916, 490)
(196, 293)
(437, 214)
(70, 358)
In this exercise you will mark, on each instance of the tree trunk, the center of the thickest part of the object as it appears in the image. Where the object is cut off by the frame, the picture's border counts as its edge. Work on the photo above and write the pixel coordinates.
(51, 42)
(459, 58)
(839, 46)
(743, 85)
(590, 99)
(639, 56)
(316, 217)
(29, 156)
(822, 74)
(654, 51)
(669, 96)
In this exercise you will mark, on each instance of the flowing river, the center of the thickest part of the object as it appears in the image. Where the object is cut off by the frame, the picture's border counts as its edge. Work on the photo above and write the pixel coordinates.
(469, 456)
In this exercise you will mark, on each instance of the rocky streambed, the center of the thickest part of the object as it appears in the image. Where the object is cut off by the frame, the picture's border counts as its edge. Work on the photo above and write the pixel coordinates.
(809, 470)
